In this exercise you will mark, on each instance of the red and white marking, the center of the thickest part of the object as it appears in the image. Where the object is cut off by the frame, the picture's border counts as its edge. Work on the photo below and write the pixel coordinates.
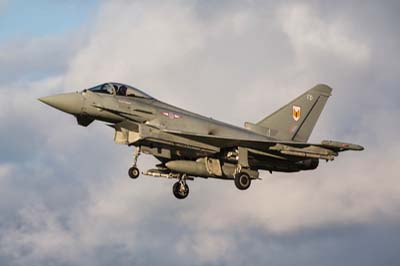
(171, 115)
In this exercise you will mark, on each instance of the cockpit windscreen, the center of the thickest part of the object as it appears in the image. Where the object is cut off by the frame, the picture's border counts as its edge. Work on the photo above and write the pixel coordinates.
(120, 90)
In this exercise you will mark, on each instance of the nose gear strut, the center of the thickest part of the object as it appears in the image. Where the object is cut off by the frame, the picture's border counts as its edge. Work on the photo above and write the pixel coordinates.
(134, 172)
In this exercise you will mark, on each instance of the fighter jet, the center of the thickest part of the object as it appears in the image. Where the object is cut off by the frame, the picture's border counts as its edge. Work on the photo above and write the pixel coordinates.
(190, 145)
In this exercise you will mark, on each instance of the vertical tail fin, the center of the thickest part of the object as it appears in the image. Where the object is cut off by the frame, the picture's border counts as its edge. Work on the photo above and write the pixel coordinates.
(296, 120)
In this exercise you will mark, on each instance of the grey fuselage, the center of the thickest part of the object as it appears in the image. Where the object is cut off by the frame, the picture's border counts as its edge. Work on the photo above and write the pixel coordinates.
(154, 113)
(191, 145)
(171, 134)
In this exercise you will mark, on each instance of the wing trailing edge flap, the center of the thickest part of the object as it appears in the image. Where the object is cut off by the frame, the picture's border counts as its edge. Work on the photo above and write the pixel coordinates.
(327, 150)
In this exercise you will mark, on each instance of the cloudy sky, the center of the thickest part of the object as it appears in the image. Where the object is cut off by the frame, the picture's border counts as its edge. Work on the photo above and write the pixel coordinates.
(65, 198)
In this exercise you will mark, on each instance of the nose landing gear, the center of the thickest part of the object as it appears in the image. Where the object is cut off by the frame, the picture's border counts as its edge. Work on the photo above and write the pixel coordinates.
(134, 172)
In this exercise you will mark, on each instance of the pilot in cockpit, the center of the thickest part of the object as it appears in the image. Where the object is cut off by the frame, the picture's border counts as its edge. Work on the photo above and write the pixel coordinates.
(122, 90)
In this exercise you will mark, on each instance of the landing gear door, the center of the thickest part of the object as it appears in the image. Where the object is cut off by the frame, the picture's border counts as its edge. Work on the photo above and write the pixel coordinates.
(243, 159)
(84, 119)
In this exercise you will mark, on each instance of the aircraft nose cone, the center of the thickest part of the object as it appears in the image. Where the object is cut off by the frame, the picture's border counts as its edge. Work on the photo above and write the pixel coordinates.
(66, 102)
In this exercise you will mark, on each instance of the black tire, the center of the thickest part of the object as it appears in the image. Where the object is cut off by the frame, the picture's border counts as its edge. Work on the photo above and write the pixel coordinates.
(133, 172)
(177, 191)
(242, 181)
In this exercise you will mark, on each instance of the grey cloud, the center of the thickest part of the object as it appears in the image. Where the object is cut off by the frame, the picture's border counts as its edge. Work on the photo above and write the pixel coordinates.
(64, 188)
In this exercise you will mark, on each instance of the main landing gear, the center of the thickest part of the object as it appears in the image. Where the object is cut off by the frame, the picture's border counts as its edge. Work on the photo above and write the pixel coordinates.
(242, 181)
(180, 188)
(242, 173)
(134, 172)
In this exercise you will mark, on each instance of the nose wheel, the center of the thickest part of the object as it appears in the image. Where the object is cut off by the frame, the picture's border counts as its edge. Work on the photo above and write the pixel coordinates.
(134, 172)
(180, 188)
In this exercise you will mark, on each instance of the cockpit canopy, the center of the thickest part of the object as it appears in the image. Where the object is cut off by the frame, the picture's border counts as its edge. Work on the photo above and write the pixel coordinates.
(113, 88)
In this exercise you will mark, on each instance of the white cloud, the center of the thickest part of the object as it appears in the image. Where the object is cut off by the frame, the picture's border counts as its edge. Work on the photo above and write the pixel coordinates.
(312, 36)
(41, 234)
(146, 38)
(108, 217)
(5, 170)
(208, 247)
(38, 58)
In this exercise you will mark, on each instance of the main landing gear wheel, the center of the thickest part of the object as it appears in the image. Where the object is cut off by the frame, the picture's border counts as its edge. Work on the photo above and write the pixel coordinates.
(242, 181)
(180, 190)
(133, 172)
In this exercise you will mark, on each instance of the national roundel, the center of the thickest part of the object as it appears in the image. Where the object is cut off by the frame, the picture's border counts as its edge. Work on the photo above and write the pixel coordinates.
(296, 112)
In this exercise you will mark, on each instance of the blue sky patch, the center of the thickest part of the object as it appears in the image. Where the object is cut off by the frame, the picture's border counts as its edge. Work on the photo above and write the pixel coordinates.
(40, 18)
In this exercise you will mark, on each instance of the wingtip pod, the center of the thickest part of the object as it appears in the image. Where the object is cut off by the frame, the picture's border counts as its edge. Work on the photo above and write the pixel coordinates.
(354, 147)
(358, 147)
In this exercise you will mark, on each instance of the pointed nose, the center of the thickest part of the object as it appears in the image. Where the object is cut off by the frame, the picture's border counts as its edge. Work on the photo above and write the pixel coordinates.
(67, 102)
